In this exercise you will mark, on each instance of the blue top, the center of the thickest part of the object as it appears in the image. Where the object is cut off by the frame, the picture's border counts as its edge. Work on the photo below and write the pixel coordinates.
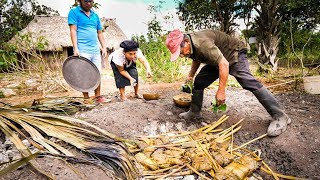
(87, 27)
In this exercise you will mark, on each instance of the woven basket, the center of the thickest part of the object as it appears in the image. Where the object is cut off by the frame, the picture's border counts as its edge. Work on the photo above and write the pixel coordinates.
(182, 100)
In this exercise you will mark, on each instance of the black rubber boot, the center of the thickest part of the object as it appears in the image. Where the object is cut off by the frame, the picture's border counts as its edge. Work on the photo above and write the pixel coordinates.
(280, 118)
(195, 107)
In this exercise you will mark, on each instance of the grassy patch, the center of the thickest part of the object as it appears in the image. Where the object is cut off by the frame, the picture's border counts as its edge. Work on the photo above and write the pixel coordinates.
(1, 95)
(158, 57)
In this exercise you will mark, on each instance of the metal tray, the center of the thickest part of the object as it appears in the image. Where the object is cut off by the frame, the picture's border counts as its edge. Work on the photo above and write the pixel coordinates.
(81, 74)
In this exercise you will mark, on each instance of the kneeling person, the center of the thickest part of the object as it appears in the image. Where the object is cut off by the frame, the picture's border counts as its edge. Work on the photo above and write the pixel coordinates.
(123, 63)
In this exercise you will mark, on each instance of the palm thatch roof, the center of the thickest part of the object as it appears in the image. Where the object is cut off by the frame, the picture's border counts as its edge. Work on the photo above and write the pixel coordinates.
(53, 31)
(112, 33)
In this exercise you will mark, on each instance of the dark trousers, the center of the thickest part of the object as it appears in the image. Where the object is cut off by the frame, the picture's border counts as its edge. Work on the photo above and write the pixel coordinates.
(240, 70)
(122, 81)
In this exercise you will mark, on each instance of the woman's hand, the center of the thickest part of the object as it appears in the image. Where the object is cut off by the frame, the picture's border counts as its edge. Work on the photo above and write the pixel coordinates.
(189, 79)
(149, 74)
(133, 82)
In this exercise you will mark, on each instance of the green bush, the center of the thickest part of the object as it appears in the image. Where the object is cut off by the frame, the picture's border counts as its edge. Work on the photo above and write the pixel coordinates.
(8, 59)
(302, 44)
(158, 56)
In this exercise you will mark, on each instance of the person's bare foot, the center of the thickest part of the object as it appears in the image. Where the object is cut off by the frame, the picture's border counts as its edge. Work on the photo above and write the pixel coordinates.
(123, 98)
(138, 96)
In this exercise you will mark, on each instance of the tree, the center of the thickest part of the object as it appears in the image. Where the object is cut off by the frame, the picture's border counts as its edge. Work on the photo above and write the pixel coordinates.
(155, 29)
(197, 14)
(273, 22)
(268, 32)
(202, 14)
(16, 15)
(245, 11)
(302, 18)
(304, 13)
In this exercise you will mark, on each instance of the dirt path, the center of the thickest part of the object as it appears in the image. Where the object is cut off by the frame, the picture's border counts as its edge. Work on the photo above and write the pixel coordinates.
(295, 152)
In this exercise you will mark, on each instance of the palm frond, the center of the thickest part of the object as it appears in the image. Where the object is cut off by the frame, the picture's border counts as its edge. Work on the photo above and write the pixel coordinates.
(92, 140)
(16, 164)
(61, 105)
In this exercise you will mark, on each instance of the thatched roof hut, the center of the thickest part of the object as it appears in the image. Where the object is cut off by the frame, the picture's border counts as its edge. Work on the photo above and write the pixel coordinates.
(54, 30)
(47, 38)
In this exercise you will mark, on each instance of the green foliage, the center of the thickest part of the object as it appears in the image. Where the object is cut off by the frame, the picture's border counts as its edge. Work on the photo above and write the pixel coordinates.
(8, 59)
(305, 13)
(28, 49)
(217, 108)
(188, 87)
(16, 15)
(232, 82)
(158, 56)
(200, 14)
(1, 95)
(310, 49)
(197, 14)
(154, 29)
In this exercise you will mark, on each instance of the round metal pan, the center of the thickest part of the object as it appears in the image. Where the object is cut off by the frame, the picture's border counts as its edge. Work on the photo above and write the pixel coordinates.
(81, 74)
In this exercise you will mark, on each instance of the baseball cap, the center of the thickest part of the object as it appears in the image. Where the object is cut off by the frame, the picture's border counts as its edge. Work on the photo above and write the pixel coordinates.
(173, 42)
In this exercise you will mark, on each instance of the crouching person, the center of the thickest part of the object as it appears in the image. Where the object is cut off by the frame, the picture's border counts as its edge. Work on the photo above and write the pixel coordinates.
(123, 63)
(222, 55)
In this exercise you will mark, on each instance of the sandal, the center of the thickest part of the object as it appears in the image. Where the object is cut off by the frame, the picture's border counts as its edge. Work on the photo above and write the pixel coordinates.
(101, 99)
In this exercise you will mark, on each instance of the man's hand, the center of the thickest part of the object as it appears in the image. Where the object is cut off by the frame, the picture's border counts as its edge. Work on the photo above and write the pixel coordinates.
(76, 52)
(220, 97)
(104, 56)
(223, 78)
(104, 53)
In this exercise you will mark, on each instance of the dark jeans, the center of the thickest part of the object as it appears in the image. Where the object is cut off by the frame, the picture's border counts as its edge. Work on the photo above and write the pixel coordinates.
(240, 70)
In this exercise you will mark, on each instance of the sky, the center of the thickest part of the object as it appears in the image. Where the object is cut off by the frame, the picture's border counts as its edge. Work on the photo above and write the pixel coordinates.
(131, 15)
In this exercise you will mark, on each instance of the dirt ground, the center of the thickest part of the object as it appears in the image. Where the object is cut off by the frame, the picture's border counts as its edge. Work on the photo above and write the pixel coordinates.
(296, 152)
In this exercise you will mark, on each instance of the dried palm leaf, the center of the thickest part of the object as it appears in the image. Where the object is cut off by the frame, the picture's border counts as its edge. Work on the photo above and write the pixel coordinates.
(95, 142)
(61, 105)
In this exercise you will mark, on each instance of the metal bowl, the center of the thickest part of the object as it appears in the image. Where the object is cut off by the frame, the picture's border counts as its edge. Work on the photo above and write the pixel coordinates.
(182, 100)
(149, 96)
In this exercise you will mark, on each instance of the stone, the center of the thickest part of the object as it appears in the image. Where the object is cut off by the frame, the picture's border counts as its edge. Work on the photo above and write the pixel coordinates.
(189, 177)
(169, 113)
(30, 82)
(13, 86)
(7, 92)
(3, 158)
(26, 143)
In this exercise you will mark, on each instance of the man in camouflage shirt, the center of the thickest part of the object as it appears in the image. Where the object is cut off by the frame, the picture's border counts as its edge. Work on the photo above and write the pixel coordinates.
(222, 55)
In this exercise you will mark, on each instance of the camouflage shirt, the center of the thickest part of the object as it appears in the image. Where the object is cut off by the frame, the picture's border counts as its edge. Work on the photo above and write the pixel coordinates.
(208, 46)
